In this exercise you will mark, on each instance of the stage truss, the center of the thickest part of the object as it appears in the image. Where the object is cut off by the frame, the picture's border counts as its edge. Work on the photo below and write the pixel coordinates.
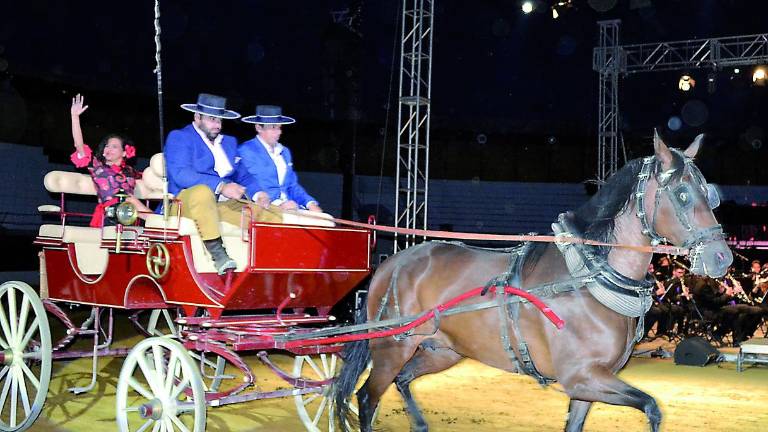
(413, 120)
(611, 60)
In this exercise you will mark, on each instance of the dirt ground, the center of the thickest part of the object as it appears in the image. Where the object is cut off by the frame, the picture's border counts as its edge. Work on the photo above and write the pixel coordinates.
(468, 397)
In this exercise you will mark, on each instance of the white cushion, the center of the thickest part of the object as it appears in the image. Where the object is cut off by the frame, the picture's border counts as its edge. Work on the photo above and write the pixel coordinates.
(306, 217)
(69, 182)
(149, 187)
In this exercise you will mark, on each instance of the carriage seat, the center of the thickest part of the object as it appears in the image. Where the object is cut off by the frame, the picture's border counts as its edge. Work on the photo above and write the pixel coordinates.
(150, 186)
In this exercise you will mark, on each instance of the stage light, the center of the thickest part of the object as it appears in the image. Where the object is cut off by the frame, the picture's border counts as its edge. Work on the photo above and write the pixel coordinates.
(686, 83)
(758, 77)
(736, 70)
(527, 7)
(554, 13)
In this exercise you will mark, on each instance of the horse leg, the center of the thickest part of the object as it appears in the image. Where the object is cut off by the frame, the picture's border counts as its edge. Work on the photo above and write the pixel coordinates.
(600, 385)
(577, 413)
(388, 357)
(430, 358)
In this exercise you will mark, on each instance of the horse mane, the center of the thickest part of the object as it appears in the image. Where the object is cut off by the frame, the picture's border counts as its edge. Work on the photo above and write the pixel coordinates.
(594, 220)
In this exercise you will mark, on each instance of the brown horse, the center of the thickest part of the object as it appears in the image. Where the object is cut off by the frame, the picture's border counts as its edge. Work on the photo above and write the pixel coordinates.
(650, 200)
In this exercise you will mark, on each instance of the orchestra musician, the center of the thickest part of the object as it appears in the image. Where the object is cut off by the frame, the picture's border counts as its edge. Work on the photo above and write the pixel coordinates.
(658, 313)
(675, 300)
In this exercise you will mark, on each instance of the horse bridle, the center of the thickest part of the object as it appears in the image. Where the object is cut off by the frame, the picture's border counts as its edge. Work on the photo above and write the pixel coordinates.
(681, 199)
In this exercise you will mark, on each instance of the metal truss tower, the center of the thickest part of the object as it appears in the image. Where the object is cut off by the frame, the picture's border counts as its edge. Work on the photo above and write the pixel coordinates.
(610, 59)
(606, 62)
(413, 119)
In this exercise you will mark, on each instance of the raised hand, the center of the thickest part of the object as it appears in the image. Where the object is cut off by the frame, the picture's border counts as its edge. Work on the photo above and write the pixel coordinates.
(77, 105)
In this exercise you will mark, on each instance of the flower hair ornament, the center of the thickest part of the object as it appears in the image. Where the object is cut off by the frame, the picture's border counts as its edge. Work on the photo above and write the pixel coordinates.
(130, 151)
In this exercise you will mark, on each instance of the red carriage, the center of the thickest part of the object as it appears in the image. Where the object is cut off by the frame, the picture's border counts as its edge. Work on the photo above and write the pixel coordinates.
(288, 278)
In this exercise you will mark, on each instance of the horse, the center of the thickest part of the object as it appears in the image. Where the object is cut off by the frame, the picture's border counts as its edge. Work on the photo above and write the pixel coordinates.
(602, 293)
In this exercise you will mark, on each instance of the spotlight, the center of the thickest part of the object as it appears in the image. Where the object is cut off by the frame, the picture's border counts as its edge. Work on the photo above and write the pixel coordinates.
(554, 13)
(758, 77)
(527, 7)
(686, 83)
(736, 70)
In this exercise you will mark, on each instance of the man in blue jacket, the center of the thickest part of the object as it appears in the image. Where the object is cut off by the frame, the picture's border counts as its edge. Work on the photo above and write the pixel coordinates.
(202, 174)
(267, 165)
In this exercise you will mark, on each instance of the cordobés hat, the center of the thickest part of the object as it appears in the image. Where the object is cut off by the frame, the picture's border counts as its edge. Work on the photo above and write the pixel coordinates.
(212, 105)
(268, 114)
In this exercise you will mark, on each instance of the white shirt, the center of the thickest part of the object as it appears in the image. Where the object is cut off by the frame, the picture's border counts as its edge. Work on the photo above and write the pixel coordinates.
(276, 154)
(221, 163)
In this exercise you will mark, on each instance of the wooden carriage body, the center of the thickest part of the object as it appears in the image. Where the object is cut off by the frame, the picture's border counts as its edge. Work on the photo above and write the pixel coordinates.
(304, 263)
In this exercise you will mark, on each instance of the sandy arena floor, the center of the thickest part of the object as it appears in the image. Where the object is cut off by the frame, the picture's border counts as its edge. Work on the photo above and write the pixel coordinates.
(468, 397)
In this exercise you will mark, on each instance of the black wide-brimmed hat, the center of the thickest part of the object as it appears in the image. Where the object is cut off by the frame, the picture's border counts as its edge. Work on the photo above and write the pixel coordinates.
(212, 105)
(268, 114)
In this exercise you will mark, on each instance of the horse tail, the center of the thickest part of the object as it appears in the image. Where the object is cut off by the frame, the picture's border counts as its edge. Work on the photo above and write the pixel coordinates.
(356, 356)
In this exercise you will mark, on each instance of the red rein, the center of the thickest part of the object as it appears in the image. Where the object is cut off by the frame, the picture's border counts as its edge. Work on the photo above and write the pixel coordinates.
(551, 316)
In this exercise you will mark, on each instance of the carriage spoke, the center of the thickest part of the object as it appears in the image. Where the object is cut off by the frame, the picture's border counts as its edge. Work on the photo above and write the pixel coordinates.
(170, 376)
(156, 427)
(4, 371)
(145, 425)
(157, 353)
(320, 410)
(12, 311)
(179, 424)
(313, 365)
(139, 388)
(30, 332)
(177, 390)
(22, 318)
(23, 393)
(30, 375)
(6, 388)
(324, 361)
(310, 399)
(14, 398)
(149, 374)
(3, 343)
(167, 424)
(4, 324)
(332, 371)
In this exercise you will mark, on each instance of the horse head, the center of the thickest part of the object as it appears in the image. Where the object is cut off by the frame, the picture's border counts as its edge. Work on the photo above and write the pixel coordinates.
(679, 201)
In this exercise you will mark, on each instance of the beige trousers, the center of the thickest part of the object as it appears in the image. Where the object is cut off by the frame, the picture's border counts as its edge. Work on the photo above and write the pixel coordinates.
(199, 204)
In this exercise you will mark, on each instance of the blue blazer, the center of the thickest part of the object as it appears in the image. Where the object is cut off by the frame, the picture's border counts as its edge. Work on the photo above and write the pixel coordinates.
(258, 172)
(190, 162)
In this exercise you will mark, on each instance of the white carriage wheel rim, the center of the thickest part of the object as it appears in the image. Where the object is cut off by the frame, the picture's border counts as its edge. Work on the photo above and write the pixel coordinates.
(161, 387)
(17, 333)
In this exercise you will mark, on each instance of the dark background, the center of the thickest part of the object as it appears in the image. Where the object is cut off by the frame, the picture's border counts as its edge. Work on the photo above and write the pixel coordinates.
(523, 81)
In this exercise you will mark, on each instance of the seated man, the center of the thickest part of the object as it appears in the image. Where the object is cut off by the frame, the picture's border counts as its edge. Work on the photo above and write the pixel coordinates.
(202, 174)
(267, 165)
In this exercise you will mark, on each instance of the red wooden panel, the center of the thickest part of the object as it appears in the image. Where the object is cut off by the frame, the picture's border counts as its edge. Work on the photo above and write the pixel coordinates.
(297, 248)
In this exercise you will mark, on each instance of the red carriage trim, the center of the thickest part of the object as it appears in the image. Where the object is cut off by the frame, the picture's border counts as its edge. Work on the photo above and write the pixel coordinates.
(426, 316)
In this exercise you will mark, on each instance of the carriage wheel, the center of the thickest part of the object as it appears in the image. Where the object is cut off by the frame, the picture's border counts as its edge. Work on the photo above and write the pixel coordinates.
(25, 369)
(316, 409)
(152, 385)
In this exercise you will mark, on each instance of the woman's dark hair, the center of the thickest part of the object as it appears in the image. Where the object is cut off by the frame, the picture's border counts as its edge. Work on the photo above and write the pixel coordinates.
(124, 141)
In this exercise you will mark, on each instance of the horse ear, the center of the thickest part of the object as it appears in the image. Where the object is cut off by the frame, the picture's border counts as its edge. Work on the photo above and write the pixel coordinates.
(692, 149)
(663, 154)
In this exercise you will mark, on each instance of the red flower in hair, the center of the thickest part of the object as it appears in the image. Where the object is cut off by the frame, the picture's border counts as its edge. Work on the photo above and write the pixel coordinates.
(130, 151)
